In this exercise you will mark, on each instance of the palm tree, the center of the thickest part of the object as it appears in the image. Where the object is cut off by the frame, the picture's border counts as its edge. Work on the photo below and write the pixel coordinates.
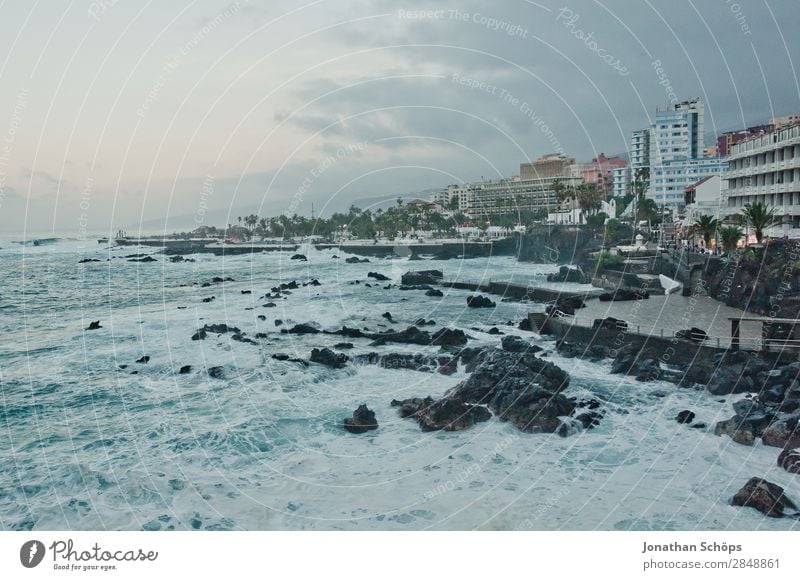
(760, 216)
(730, 236)
(707, 226)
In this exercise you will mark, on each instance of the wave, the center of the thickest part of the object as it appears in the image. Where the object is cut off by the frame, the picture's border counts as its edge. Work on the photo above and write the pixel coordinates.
(37, 241)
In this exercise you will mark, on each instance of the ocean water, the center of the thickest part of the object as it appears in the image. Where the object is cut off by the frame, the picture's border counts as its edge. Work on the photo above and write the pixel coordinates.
(86, 444)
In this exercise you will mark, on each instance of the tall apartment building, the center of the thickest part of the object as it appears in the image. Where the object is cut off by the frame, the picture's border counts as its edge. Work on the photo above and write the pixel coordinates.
(766, 169)
(640, 150)
(552, 165)
(676, 153)
(677, 132)
(621, 181)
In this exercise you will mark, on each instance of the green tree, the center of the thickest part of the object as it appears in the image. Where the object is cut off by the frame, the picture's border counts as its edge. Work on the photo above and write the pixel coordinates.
(759, 217)
(730, 236)
(707, 226)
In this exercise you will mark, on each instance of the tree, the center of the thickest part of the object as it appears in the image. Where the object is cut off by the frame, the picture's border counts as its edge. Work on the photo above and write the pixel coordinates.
(639, 186)
(707, 226)
(730, 236)
(589, 198)
(452, 204)
(648, 210)
(760, 216)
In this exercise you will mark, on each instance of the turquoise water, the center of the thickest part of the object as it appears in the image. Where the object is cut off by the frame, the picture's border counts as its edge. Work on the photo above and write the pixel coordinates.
(86, 444)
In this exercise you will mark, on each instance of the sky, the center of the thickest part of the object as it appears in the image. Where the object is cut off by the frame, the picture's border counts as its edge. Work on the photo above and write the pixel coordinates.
(117, 113)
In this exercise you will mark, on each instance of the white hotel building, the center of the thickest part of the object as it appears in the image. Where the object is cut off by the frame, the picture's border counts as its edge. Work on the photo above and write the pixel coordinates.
(767, 169)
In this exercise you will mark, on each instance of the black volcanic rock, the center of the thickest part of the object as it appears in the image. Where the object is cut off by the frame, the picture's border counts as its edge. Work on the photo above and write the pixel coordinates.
(434, 292)
(685, 417)
(299, 257)
(185, 370)
(301, 329)
(356, 260)
(378, 276)
(363, 420)
(449, 337)
(479, 301)
(764, 496)
(327, 357)
(144, 360)
(94, 325)
(216, 373)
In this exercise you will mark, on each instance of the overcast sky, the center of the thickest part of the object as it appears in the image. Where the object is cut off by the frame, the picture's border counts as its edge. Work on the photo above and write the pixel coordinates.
(112, 112)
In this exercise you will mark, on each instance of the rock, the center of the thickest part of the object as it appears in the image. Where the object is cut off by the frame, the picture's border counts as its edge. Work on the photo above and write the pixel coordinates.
(301, 329)
(789, 459)
(356, 260)
(764, 496)
(343, 345)
(421, 277)
(685, 417)
(589, 419)
(199, 335)
(449, 337)
(434, 292)
(220, 329)
(567, 274)
(479, 301)
(242, 338)
(409, 407)
(185, 370)
(494, 331)
(281, 356)
(379, 277)
(784, 432)
(450, 415)
(216, 373)
(518, 387)
(247, 291)
(387, 316)
(525, 324)
(87, 260)
(513, 343)
(423, 322)
(299, 257)
(363, 420)
(144, 360)
(211, 299)
(269, 305)
(145, 259)
(643, 365)
(176, 259)
(328, 357)
(94, 325)
(411, 335)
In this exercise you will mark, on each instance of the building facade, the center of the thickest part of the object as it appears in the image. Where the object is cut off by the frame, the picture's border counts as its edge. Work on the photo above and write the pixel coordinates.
(547, 166)
(708, 196)
(728, 139)
(677, 133)
(640, 150)
(766, 169)
(622, 181)
(600, 171)
(668, 181)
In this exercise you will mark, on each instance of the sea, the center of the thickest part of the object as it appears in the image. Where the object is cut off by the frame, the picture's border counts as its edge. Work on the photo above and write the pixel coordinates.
(92, 440)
